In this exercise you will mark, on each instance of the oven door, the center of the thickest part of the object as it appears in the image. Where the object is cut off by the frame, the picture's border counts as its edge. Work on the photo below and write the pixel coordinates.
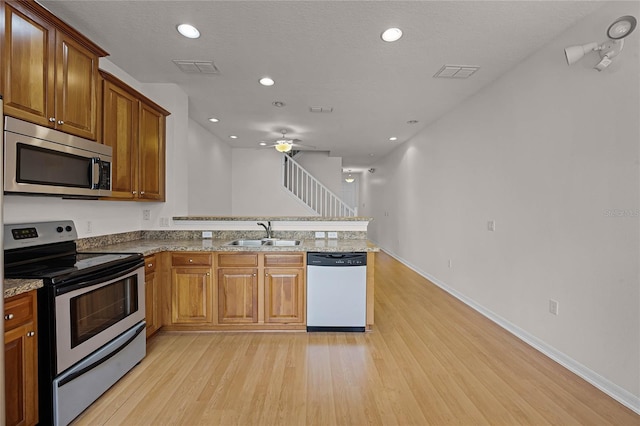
(92, 314)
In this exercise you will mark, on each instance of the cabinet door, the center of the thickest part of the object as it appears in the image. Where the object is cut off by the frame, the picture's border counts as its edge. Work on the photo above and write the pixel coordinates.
(76, 88)
(284, 295)
(21, 396)
(237, 295)
(28, 66)
(151, 162)
(192, 296)
(152, 293)
(120, 132)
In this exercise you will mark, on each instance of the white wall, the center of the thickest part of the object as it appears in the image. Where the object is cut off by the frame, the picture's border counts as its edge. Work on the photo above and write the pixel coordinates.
(209, 173)
(350, 190)
(256, 188)
(327, 170)
(549, 152)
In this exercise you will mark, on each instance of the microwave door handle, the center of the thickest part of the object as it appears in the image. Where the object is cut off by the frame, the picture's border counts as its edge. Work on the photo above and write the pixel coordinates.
(95, 173)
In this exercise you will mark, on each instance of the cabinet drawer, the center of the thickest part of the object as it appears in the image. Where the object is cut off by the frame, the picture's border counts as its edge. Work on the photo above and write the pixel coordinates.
(284, 259)
(149, 264)
(19, 310)
(237, 259)
(187, 259)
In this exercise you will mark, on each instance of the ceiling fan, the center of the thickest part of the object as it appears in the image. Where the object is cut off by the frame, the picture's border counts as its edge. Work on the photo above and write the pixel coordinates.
(284, 144)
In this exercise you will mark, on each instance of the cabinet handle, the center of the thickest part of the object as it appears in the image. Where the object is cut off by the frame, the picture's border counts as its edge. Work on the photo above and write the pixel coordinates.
(8, 317)
(60, 122)
(134, 192)
(253, 275)
(52, 119)
(190, 260)
(141, 192)
(208, 273)
(31, 334)
(150, 265)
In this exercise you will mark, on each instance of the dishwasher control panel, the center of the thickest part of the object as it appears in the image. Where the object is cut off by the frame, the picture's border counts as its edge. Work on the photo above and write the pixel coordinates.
(336, 259)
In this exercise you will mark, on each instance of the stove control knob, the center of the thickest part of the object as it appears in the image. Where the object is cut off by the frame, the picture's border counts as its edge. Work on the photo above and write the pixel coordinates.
(68, 228)
(59, 229)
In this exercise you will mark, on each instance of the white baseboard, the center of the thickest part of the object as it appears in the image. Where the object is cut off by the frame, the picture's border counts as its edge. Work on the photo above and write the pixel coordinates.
(621, 395)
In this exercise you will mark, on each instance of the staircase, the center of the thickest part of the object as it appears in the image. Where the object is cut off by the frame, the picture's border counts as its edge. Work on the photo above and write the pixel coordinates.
(311, 192)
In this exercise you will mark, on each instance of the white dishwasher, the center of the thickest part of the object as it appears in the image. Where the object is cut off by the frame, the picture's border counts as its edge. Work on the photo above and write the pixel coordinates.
(336, 291)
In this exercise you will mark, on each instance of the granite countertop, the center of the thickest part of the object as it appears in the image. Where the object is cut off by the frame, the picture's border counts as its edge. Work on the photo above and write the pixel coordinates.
(151, 246)
(277, 218)
(13, 287)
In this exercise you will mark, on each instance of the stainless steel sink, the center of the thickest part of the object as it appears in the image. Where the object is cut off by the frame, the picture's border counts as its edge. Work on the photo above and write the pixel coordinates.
(265, 242)
(245, 243)
(286, 243)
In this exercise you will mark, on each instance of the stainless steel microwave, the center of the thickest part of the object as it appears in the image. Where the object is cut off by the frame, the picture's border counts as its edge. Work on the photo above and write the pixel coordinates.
(39, 160)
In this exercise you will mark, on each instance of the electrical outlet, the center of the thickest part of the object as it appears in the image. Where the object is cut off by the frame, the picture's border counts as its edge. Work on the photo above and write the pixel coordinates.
(89, 227)
(332, 235)
(146, 214)
(553, 306)
(164, 222)
(207, 234)
(319, 234)
(491, 225)
(450, 264)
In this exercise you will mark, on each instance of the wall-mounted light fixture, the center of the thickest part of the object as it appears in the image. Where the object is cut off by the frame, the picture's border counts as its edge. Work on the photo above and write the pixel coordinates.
(611, 48)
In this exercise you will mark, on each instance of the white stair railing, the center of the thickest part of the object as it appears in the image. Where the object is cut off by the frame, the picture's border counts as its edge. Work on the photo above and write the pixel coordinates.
(311, 192)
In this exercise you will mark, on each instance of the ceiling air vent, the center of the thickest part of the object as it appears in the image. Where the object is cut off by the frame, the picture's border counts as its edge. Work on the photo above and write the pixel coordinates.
(320, 109)
(196, 67)
(456, 71)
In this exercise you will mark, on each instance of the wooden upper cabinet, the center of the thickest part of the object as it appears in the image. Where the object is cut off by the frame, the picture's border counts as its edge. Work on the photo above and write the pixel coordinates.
(151, 152)
(120, 132)
(28, 66)
(49, 70)
(76, 88)
(134, 126)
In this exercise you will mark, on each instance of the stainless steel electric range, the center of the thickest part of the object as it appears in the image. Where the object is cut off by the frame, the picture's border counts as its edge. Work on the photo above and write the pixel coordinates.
(90, 314)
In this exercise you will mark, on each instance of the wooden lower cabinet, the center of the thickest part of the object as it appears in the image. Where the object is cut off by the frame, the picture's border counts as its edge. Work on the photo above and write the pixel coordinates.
(191, 289)
(284, 296)
(237, 295)
(264, 290)
(152, 295)
(21, 359)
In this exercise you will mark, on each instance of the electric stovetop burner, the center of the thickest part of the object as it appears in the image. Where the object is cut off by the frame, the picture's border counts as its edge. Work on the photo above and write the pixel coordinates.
(47, 251)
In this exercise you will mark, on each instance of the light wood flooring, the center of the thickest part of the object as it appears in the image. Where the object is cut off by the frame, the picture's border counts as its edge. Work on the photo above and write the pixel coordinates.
(430, 360)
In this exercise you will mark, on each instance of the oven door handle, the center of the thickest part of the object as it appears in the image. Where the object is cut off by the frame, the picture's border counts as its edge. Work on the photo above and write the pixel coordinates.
(97, 278)
(75, 374)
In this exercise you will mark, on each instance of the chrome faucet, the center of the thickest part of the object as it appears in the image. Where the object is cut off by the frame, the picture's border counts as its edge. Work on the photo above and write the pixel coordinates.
(266, 228)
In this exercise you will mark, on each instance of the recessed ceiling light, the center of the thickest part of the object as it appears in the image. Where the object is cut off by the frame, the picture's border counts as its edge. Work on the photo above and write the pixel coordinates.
(391, 34)
(213, 120)
(266, 81)
(233, 137)
(189, 31)
(393, 138)
(263, 143)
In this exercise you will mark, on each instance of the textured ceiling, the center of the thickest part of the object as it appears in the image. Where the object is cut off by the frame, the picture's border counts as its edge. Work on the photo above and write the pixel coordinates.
(322, 53)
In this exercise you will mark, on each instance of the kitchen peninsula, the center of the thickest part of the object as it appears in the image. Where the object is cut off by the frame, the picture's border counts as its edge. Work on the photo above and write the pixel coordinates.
(185, 271)
(196, 283)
